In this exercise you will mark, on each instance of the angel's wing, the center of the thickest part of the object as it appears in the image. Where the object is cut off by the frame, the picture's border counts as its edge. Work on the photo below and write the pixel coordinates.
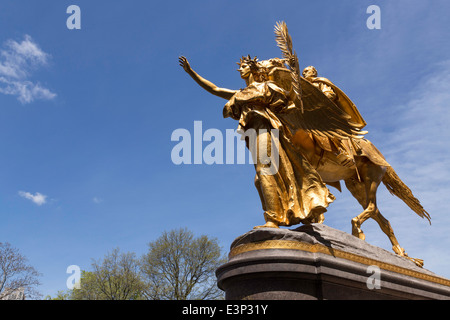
(323, 117)
(318, 114)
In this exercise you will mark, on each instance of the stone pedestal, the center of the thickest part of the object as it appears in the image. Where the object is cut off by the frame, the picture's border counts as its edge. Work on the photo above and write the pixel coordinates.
(316, 262)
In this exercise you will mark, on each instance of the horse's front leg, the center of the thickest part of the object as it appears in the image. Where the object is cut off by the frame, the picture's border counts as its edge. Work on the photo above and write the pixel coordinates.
(358, 190)
(364, 189)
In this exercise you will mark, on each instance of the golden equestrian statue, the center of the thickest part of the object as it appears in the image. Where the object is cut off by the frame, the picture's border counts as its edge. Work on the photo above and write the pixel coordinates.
(321, 142)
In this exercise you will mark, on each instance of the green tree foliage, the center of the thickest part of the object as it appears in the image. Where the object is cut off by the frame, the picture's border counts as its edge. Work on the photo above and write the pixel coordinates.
(115, 277)
(60, 295)
(179, 266)
(89, 290)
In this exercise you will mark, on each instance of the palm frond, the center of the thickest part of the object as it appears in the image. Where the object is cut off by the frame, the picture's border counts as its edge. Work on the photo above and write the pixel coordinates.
(284, 42)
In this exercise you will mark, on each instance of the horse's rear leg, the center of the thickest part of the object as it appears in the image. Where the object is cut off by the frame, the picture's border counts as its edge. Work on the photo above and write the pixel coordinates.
(365, 190)
(358, 190)
(387, 229)
(365, 193)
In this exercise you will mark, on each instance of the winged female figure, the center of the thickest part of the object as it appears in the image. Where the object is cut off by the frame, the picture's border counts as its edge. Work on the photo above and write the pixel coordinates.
(296, 192)
(320, 142)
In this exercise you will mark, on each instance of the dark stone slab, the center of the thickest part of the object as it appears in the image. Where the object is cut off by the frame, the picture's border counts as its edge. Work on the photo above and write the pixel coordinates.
(319, 262)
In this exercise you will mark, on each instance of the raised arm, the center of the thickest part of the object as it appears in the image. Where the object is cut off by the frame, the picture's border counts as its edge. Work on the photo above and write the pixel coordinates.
(205, 84)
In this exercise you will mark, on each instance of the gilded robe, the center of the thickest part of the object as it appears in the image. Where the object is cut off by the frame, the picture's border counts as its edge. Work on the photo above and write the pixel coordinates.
(295, 193)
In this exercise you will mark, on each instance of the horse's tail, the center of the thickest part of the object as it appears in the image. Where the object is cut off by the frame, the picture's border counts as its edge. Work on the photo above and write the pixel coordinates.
(396, 187)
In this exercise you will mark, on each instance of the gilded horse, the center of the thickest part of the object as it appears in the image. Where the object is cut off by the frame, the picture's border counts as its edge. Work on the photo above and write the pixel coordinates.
(362, 176)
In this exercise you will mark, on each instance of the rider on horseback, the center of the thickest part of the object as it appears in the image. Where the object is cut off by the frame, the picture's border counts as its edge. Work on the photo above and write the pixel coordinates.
(345, 152)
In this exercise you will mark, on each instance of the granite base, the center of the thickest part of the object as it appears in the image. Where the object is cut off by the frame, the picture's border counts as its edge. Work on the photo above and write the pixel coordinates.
(317, 262)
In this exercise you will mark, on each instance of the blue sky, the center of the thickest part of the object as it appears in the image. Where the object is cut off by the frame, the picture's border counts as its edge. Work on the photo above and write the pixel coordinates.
(87, 116)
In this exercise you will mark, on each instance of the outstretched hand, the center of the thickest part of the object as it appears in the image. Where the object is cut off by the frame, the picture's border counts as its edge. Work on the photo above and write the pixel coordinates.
(205, 84)
(184, 63)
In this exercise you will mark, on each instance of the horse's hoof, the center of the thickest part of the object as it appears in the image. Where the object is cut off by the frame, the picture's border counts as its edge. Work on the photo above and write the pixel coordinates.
(360, 235)
(356, 230)
(418, 262)
(399, 250)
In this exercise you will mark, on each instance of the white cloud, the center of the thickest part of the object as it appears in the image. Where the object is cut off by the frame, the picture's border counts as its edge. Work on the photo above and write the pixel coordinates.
(422, 133)
(26, 91)
(418, 151)
(37, 198)
(18, 60)
(97, 200)
(415, 143)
